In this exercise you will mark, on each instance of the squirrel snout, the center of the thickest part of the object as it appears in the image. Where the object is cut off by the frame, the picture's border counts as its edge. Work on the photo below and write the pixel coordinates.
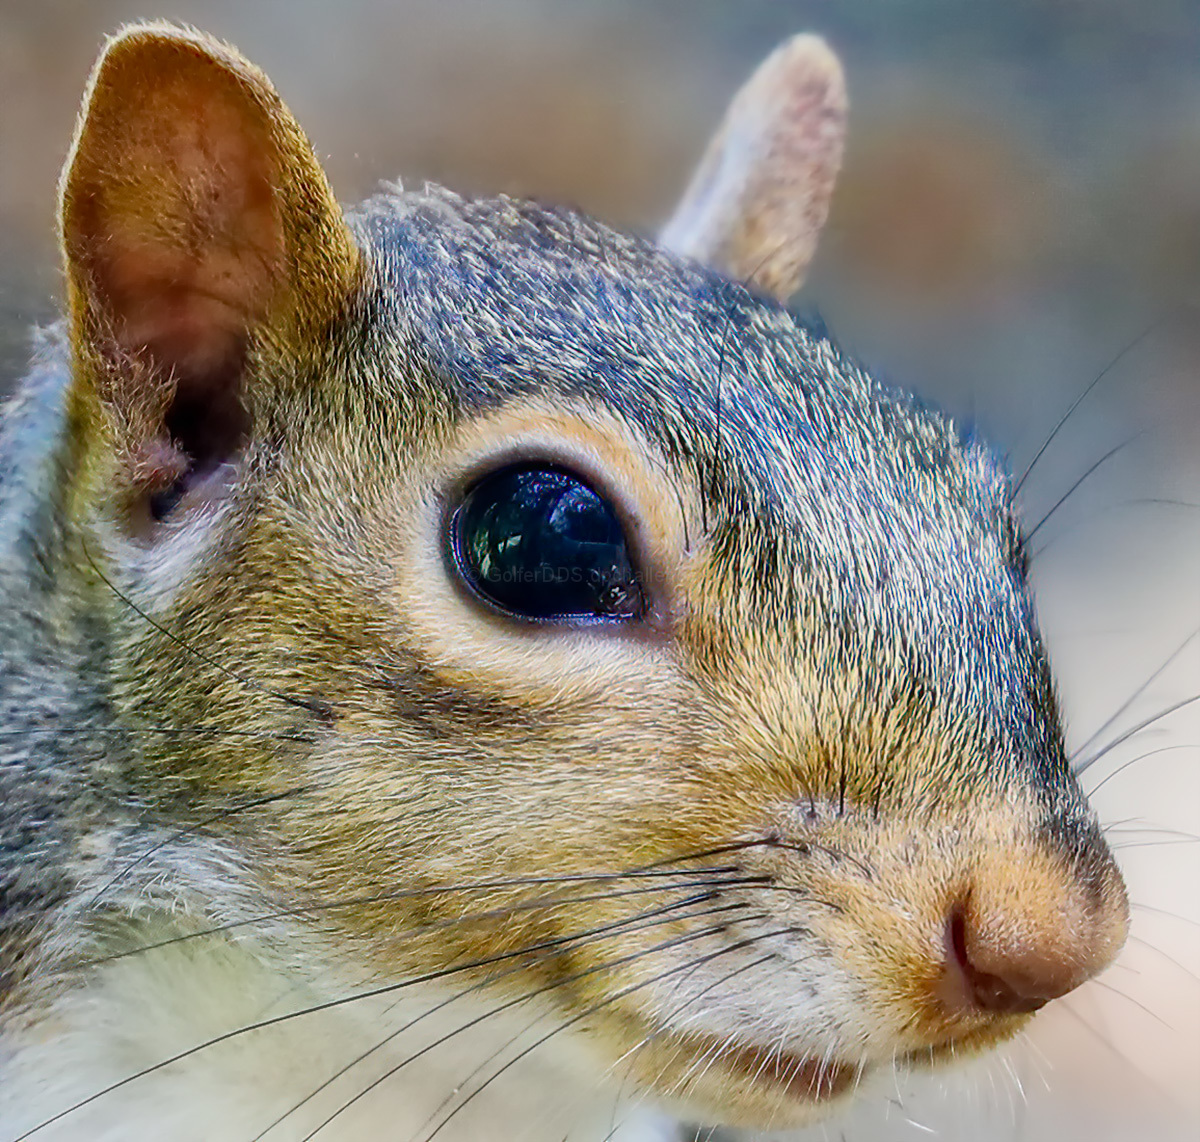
(1024, 936)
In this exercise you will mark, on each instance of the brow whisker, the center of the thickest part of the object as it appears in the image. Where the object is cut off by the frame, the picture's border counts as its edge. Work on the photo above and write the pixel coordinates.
(311, 706)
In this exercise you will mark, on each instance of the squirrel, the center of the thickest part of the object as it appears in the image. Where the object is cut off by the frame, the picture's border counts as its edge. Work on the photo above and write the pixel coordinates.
(469, 672)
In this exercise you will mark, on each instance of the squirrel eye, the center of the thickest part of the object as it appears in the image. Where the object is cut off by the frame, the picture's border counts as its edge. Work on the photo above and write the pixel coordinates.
(538, 542)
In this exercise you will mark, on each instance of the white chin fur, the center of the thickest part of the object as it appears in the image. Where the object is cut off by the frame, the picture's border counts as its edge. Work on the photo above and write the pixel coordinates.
(145, 1008)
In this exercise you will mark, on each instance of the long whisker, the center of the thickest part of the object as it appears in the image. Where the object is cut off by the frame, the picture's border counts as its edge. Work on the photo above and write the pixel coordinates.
(1166, 956)
(272, 1021)
(633, 1051)
(162, 731)
(1078, 483)
(1124, 505)
(1140, 758)
(631, 957)
(1153, 327)
(1140, 827)
(1129, 999)
(1142, 907)
(1124, 845)
(510, 1043)
(1124, 1058)
(592, 1009)
(1087, 763)
(662, 868)
(621, 927)
(675, 1013)
(1120, 710)
(711, 877)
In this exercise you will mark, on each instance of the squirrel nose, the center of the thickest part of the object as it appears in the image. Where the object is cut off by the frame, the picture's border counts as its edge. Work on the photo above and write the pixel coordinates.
(1001, 979)
(1021, 939)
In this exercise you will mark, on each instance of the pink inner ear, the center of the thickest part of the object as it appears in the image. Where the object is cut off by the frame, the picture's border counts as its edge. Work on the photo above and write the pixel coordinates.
(177, 225)
(186, 240)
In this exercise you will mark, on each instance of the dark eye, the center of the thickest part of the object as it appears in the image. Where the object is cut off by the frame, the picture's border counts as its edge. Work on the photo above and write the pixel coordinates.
(540, 543)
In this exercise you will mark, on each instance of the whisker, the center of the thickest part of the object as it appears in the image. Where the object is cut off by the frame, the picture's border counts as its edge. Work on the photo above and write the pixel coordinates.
(1141, 907)
(717, 409)
(1140, 757)
(1124, 845)
(1139, 826)
(619, 927)
(1152, 328)
(1116, 715)
(447, 889)
(162, 731)
(1124, 505)
(188, 830)
(1137, 1003)
(1146, 723)
(658, 1033)
(262, 1024)
(475, 1073)
(1166, 956)
(1078, 483)
(1124, 1058)
(321, 709)
(631, 957)
(591, 1010)
(1011, 1070)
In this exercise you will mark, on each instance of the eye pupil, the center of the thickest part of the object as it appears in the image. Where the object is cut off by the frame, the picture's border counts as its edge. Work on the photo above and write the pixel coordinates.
(539, 542)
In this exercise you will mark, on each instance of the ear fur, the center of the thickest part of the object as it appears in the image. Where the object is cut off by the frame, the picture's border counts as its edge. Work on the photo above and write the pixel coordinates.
(756, 204)
(195, 222)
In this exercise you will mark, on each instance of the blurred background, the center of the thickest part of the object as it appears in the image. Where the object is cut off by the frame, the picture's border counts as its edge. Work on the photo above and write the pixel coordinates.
(1019, 211)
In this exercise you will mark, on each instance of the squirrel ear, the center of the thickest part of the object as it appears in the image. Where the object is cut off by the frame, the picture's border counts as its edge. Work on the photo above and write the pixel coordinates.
(196, 222)
(758, 199)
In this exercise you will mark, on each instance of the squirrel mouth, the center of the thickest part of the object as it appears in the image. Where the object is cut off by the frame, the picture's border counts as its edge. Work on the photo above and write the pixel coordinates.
(801, 1078)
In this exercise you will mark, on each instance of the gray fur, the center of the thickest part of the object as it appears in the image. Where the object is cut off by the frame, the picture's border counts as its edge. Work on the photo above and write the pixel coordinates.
(835, 504)
(902, 530)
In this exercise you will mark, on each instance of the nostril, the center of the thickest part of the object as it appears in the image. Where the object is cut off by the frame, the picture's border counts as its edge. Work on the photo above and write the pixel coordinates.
(1006, 992)
(1029, 926)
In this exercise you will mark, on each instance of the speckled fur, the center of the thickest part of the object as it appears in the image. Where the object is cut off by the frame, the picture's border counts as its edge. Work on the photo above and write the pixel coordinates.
(285, 699)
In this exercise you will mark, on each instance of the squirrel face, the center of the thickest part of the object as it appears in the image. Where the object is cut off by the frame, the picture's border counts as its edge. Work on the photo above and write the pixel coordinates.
(560, 568)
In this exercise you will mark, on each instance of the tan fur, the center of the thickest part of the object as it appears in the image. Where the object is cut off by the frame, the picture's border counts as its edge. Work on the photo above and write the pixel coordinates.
(190, 223)
(716, 847)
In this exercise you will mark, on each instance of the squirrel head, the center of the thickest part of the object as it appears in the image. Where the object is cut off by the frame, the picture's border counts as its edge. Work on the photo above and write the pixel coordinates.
(568, 571)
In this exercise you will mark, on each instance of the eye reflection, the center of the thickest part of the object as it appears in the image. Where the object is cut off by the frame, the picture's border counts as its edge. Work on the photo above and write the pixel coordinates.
(538, 542)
